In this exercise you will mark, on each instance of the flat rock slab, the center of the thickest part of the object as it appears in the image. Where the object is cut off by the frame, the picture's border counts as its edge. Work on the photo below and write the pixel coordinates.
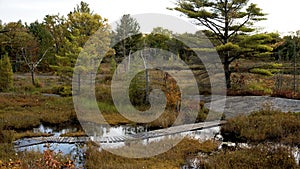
(239, 105)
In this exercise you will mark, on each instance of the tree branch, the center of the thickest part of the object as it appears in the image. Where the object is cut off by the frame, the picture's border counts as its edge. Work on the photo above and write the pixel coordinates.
(44, 54)
(25, 58)
(239, 27)
(216, 32)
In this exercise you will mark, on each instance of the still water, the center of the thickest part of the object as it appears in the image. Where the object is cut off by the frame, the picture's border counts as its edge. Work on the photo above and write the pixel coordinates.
(77, 151)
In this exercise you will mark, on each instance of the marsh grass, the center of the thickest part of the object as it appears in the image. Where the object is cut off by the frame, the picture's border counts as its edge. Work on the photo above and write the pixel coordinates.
(266, 125)
(24, 111)
(30, 134)
(7, 152)
(44, 83)
(174, 158)
(261, 156)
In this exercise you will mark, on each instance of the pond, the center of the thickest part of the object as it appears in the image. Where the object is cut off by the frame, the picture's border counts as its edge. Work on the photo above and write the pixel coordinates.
(233, 107)
(55, 130)
(77, 151)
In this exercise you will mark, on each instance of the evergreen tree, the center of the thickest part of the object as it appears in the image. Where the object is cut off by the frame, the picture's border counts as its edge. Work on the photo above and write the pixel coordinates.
(124, 36)
(56, 26)
(80, 26)
(288, 48)
(45, 43)
(6, 74)
(226, 19)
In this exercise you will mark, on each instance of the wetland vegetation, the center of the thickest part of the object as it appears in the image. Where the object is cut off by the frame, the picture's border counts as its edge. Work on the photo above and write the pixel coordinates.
(37, 63)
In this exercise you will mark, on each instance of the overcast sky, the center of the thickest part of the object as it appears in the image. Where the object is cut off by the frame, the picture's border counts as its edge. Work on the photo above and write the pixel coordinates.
(283, 15)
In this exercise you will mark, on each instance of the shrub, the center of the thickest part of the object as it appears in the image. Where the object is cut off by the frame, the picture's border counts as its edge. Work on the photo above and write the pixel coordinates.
(6, 74)
(262, 156)
(62, 90)
(52, 160)
(264, 126)
(271, 66)
(46, 160)
(261, 71)
(274, 71)
(137, 91)
(259, 87)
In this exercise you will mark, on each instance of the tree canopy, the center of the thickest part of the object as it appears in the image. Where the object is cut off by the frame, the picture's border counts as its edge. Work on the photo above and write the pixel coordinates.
(226, 19)
(126, 36)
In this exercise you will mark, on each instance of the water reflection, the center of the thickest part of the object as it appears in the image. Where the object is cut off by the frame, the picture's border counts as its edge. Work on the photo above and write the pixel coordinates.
(56, 131)
(77, 151)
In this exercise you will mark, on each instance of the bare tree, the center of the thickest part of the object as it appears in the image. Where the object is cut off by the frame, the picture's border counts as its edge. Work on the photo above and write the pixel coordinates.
(31, 62)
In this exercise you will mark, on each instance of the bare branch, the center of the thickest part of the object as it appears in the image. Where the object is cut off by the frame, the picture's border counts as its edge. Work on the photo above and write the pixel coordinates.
(25, 57)
(44, 54)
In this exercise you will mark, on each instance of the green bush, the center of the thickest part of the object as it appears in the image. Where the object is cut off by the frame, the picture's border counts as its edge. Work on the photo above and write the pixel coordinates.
(261, 71)
(62, 90)
(137, 91)
(259, 87)
(274, 71)
(271, 66)
(6, 74)
(267, 69)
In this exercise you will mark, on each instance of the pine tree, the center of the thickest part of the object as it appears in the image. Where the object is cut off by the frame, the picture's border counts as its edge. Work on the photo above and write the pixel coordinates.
(226, 19)
(125, 38)
(80, 27)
